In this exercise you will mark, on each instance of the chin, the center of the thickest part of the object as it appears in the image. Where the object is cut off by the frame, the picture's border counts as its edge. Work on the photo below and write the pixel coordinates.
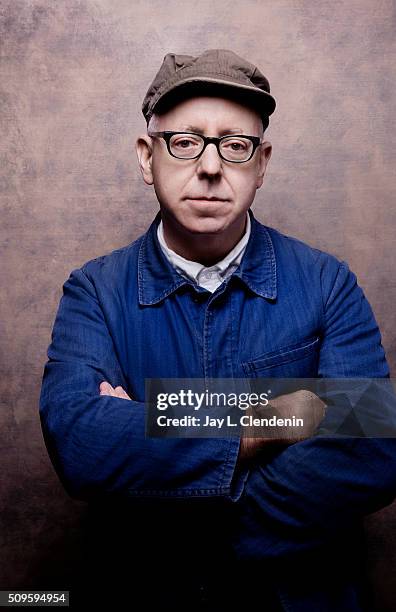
(205, 225)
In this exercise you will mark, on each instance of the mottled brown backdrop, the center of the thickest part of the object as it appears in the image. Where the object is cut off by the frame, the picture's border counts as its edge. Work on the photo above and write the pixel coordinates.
(72, 78)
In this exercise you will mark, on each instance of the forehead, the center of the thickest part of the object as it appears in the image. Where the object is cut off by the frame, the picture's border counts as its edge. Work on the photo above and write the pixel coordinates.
(210, 114)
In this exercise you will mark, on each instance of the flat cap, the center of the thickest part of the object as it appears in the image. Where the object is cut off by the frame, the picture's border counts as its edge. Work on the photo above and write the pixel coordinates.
(219, 70)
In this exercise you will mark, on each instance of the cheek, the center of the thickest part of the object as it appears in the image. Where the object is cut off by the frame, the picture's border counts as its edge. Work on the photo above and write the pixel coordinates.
(167, 183)
(244, 184)
(170, 178)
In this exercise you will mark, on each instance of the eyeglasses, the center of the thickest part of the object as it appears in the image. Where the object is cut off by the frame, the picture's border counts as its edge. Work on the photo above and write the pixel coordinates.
(188, 145)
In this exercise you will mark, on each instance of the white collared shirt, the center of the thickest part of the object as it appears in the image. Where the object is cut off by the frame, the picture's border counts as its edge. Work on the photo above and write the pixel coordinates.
(208, 277)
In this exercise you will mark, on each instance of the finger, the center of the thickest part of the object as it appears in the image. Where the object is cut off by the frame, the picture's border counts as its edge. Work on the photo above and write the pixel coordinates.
(107, 389)
(121, 393)
(103, 388)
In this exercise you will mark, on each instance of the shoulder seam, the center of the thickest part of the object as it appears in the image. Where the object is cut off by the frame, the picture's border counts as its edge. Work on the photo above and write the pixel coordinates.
(114, 252)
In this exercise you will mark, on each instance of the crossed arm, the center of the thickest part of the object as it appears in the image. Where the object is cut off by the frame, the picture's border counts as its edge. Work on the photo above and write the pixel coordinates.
(304, 405)
(295, 501)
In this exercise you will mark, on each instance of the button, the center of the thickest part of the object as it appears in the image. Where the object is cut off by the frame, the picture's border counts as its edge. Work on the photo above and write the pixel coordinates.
(203, 592)
(209, 274)
(200, 297)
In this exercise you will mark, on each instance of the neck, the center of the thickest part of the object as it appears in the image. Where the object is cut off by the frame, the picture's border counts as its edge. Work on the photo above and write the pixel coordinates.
(206, 249)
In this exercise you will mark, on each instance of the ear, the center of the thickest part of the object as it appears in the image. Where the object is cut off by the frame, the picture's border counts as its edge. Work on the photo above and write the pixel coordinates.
(144, 152)
(265, 154)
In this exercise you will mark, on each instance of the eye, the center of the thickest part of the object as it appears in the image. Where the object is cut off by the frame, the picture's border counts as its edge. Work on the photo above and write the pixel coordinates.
(236, 145)
(185, 143)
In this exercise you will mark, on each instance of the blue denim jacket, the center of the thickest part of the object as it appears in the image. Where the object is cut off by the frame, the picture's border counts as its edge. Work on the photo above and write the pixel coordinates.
(289, 310)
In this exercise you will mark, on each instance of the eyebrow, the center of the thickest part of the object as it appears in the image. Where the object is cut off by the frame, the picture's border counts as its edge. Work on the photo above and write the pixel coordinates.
(197, 130)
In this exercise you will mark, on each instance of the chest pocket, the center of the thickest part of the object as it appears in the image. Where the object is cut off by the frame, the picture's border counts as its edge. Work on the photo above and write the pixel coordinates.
(293, 361)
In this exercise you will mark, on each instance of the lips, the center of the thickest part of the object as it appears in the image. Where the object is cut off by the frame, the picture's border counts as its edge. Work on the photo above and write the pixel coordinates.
(208, 199)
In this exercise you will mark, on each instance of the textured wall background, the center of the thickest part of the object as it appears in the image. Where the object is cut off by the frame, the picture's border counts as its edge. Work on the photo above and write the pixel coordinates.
(73, 76)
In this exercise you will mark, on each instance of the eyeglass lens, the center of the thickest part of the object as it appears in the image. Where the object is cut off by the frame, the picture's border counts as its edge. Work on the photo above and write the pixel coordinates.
(188, 146)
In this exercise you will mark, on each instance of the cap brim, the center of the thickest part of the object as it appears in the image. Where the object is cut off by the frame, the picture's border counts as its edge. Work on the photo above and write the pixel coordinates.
(263, 101)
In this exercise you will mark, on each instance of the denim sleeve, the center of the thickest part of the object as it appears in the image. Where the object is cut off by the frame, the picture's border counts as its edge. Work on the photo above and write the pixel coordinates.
(97, 443)
(315, 489)
(351, 343)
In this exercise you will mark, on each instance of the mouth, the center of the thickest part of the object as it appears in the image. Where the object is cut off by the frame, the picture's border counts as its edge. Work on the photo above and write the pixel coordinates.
(206, 199)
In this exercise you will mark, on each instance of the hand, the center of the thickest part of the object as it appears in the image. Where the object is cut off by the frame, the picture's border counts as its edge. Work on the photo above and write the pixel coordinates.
(301, 404)
(106, 389)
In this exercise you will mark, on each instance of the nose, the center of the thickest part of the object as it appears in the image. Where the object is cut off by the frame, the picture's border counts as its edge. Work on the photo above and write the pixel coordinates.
(210, 162)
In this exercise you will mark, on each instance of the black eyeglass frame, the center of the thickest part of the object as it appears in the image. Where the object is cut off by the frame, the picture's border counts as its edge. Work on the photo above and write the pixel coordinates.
(167, 135)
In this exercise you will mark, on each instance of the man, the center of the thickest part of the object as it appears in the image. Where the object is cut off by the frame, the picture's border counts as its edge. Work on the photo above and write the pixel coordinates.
(209, 292)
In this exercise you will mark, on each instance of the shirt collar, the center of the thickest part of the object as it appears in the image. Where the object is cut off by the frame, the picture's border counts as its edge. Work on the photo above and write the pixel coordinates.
(157, 278)
(193, 269)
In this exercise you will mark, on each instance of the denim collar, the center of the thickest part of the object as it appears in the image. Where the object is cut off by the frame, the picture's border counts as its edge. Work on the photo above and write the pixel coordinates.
(157, 278)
